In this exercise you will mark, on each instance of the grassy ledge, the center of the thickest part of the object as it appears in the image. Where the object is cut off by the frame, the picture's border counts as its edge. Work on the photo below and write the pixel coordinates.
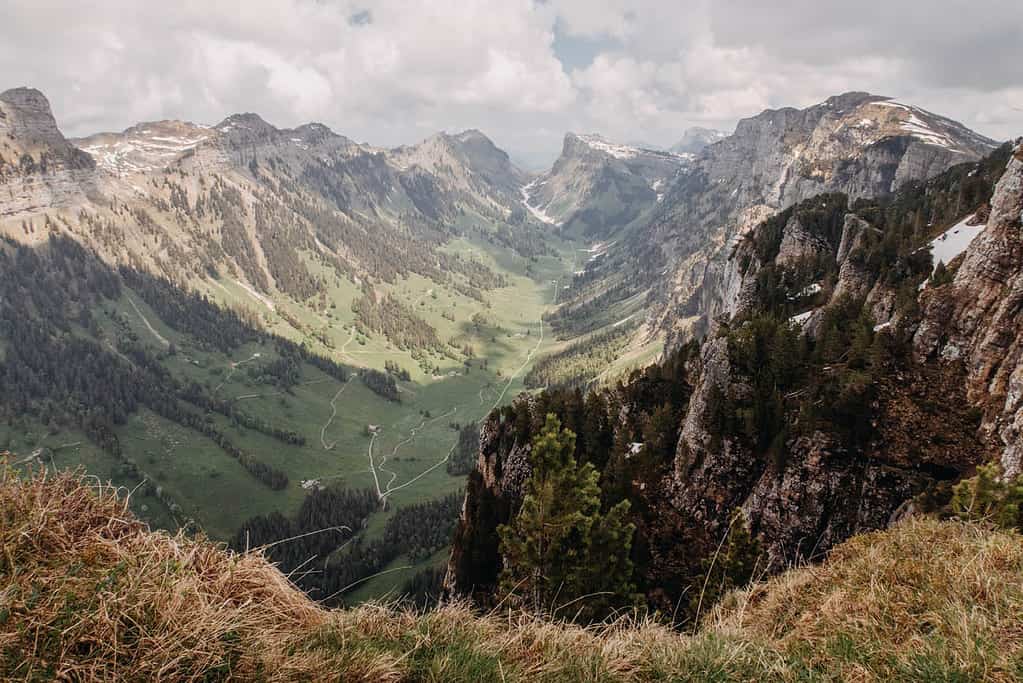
(87, 592)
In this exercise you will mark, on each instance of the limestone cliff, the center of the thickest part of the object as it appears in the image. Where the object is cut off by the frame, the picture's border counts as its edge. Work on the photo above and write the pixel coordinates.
(977, 319)
(39, 168)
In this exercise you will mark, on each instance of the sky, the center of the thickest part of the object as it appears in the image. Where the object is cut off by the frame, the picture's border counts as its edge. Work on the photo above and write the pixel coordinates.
(392, 72)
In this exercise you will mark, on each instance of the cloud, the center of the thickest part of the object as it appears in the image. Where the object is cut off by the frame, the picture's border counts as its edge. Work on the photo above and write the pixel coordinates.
(524, 71)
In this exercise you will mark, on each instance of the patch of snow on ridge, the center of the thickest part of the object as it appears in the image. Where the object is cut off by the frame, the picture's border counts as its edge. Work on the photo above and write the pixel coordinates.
(918, 129)
(617, 151)
(953, 242)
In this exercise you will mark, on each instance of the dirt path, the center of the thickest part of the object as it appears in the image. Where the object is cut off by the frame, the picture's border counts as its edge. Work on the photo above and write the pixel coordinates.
(344, 347)
(411, 437)
(152, 330)
(234, 369)
(372, 467)
(422, 296)
(333, 414)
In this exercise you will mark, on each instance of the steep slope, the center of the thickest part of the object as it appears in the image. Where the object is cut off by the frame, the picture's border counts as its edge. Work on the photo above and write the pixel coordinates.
(849, 383)
(859, 144)
(977, 320)
(213, 315)
(597, 187)
(254, 202)
(140, 605)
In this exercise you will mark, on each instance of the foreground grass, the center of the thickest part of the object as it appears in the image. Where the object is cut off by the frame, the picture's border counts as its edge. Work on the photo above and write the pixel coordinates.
(89, 593)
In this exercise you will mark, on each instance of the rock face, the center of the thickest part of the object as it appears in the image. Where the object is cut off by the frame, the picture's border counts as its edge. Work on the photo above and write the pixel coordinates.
(978, 318)
(918, 428)
(695, 139)
(596, 186)
(39, 168)
(857, 144)
(144, 148)
(825, 491)
(493, 494)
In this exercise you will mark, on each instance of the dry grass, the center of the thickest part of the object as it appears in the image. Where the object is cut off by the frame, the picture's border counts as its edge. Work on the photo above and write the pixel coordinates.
(88, 593)
(927, 600)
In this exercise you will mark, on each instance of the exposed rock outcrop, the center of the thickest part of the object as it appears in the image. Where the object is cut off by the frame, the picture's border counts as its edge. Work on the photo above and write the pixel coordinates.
(857, 144)
(39, 168)
(978, 318)
(597, 187)
(493, 494)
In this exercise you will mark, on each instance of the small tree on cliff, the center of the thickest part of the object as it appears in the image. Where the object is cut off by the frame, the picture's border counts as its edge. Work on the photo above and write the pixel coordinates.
(560, 550)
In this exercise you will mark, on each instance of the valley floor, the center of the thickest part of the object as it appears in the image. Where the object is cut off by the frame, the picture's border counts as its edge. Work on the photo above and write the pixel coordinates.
(354, 438)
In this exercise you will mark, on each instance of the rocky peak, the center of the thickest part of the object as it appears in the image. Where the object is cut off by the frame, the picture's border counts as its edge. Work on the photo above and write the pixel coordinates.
(27, 114)
(38, 166)
(246, 129)
(850, 100)
(469, 161)
(27, 123)
(593, 173)
(313, 133)
(858, 144)
(695, 139)
(577, 144)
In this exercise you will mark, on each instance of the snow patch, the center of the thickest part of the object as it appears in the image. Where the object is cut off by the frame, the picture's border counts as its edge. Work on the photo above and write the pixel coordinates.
(601, 145)
(539, 213)
(801, 318)
(953, 242)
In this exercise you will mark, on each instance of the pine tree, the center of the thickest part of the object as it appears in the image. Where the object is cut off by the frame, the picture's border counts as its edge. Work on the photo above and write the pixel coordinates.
(560, 550)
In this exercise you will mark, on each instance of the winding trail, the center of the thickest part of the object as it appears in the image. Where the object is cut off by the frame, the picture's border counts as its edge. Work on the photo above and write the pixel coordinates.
(234, 369)
(375, 468)
(333, 414)
(163, 340)
(344, 347)
(372, 467)
(411, 437)
(529, 357)
(421, 297)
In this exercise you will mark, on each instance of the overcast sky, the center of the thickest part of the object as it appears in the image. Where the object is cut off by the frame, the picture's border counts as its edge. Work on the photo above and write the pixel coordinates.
(523, 71)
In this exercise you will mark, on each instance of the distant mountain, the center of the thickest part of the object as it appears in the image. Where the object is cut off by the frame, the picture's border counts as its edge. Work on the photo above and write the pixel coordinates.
(859, 144)
(695, 139)
(220, 198)
(597, 186)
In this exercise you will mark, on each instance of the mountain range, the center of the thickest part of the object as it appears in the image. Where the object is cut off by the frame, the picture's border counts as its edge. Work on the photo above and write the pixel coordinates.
(747, 326)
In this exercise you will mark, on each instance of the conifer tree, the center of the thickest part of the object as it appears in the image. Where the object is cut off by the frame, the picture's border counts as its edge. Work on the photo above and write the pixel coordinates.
(560, 550)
